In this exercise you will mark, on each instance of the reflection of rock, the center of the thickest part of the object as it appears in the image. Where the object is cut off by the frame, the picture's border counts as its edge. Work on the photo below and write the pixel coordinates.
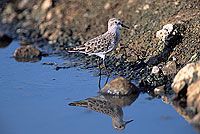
(122, 101)
(27, 53)
(180, 108)
(36, 59)
(119, 86)
(5, 40)
(187, 88)
(106, 105)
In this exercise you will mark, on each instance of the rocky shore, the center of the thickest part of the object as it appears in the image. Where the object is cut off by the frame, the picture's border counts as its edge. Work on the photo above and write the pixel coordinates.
(163, 38)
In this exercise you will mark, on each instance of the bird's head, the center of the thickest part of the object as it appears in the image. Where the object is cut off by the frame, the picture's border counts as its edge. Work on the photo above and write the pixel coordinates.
(115, 23)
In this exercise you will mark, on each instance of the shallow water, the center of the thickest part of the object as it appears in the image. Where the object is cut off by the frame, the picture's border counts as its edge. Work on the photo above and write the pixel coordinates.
(34, 99)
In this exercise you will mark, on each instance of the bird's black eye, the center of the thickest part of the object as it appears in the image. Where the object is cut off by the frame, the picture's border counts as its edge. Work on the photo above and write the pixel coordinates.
(115, 22)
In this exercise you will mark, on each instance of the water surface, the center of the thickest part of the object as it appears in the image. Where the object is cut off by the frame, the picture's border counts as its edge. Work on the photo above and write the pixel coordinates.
(34, 98)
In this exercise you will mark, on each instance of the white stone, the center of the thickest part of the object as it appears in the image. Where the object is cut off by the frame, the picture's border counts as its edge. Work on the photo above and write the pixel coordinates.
(155, 70)
(164, 33)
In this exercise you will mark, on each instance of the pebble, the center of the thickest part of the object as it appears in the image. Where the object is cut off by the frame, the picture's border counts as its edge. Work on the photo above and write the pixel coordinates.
(159, 90)
(169, 68)
(155, 70)
(27, 52)
(46, 4)
(146, 7)
(107, 6)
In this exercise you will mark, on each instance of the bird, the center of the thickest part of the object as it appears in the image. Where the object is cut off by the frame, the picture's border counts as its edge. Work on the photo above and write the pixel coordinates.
(102, 44)
(101, 105)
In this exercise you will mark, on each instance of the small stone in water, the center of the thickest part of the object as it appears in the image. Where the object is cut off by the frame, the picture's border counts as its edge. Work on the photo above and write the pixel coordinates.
(27, 52)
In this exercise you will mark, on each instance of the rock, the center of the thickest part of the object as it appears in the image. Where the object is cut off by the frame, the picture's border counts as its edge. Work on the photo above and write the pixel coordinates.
(164, 33)
(186, 76)
(187, 88)
(193, 95)
(195, 57)
(9, 14)
(107, 6)
(46, 4)
(24, 43)
(159, 90)
(169, 68)
(119, 86)
(196, 121)
(117, 63)
(153, 80)
(8, 9)
(5, 40)
(155, 70)
(146, 7)
(22, 4)
(54, 35)
(49, 15)
(166, 100)
(27, 52)
(171, 33)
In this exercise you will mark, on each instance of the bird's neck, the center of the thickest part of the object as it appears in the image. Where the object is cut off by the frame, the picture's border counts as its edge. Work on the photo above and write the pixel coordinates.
(114, 30)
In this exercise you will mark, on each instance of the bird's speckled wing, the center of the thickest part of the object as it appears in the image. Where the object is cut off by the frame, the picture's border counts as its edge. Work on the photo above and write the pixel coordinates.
(102, 43)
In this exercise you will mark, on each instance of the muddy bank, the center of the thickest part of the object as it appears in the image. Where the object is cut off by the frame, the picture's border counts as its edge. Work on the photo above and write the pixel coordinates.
(68, 23)
(142, 54)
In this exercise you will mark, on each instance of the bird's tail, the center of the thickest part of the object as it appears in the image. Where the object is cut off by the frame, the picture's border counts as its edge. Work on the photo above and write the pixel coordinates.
(81, 103)
(70, 49)
(76, 49)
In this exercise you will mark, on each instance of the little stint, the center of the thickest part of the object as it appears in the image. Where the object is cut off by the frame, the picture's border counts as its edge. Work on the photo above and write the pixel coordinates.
(102, 44)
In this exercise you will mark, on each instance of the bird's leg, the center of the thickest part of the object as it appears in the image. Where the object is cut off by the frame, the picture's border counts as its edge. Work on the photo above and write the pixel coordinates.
(98, 62)
(99, 67)
(106, 71)
(107, 80)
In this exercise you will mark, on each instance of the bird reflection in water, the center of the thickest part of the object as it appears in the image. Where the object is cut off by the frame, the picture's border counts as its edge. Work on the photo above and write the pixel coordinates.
(110, 105)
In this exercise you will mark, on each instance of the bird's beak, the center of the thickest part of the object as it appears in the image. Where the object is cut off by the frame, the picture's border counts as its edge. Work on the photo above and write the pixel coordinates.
(124, 26)
(126, 122)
